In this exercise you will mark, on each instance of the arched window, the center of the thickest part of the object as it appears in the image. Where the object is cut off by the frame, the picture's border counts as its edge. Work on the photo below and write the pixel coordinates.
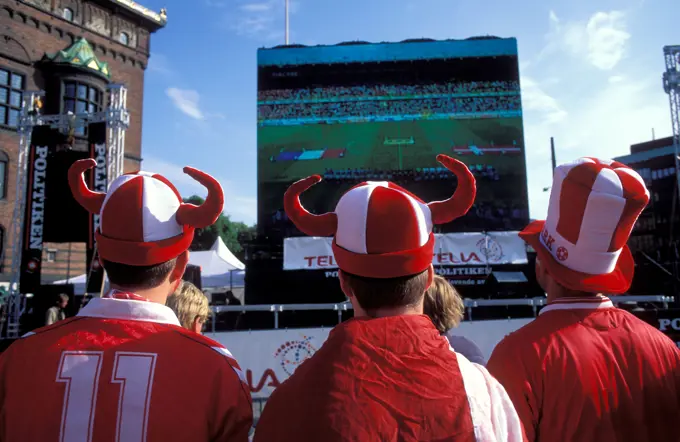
(124, 38)
(80, 98)
(68, 14)
(4, 166)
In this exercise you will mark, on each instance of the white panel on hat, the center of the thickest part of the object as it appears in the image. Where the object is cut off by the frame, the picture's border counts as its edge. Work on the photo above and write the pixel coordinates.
(352, 213)
(607, 182)
(555, 191)
(160, 204)
(603, 212)
(424, 217)
(114, 186)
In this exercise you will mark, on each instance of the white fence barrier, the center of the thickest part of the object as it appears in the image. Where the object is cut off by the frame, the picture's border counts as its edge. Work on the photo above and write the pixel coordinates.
(269, 357)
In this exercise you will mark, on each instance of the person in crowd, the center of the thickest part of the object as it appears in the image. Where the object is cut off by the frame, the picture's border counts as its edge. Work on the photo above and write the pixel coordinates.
(585, 370)
(445, 308)
(190, 305)
(123, 368)
(56, 312)
(387, 374)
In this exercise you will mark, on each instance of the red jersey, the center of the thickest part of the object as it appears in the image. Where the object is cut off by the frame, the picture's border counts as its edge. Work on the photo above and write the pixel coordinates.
(587, 371)
(388, 379)
(121, 371)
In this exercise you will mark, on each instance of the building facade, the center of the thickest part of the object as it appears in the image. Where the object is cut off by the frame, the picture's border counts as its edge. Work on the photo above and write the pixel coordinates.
(71, 49)
(656, 236)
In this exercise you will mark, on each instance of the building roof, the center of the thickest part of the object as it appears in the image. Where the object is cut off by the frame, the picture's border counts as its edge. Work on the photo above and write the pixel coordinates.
(645, 155)
(159, 19)
(81, 55)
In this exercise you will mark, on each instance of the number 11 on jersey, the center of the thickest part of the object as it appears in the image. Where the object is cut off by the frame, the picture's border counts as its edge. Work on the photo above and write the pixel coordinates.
(81, 370)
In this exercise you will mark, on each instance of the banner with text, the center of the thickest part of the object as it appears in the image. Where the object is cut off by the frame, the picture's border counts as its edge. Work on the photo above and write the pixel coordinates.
(42, 142)
(667, 321)
(269, 357)
(98, 183)
(451, 249)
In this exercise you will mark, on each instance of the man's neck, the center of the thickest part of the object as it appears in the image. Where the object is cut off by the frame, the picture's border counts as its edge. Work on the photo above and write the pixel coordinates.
(158, 295)
(392, 311)
(571, 294)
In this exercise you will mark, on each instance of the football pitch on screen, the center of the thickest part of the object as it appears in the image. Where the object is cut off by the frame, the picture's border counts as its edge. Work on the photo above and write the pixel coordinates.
(288, 153)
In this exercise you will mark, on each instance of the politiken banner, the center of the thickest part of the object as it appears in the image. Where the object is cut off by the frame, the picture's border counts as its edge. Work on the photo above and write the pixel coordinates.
(42, 141)
(269, 357)
(451, 249)
(98, 183)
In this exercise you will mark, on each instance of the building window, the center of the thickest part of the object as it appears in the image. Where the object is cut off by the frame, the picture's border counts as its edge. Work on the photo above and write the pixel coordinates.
(80, 98)
(68, 14)
(51, 255)
(124, 38)
(11, 96)
(4, 163)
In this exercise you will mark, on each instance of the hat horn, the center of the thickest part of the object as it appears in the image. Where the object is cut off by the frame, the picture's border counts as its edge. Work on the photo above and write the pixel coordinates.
(91, 201)
(308, 223)
(207, 213)
(462, 199)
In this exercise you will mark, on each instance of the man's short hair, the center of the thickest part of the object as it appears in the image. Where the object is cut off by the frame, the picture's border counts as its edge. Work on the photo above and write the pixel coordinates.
(188, 303)
(443, 305)
(138, 277)
(63, 297)
(376, 293)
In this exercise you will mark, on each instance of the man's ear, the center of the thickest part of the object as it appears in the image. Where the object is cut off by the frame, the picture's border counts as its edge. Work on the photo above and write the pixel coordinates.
(197, 325)
(430, 275)
(180, 268)
(344, 286)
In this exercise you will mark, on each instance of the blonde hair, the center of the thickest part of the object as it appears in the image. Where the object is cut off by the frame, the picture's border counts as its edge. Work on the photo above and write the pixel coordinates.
(188, 303)
(443, 305)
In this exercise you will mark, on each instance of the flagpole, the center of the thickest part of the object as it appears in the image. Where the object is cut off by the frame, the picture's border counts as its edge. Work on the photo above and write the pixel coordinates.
(287, 22)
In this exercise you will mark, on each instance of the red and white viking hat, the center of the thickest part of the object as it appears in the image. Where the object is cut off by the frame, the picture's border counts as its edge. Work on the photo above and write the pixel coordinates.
(381, 230)
(143, 220)
(593, 207)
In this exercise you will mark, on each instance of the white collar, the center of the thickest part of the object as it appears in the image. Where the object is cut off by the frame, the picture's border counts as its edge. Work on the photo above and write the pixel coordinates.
(589, 303)
(110, 308)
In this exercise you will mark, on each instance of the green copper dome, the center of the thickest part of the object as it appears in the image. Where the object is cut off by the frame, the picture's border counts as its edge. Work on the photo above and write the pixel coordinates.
(80, 54)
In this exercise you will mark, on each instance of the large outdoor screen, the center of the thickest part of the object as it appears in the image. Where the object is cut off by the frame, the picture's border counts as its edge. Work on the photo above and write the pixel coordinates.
(357, 112)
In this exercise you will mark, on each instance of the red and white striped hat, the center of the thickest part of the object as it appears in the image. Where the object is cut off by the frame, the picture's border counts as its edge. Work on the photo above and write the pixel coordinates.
(143, 220)
(381, 230)
(593, 207)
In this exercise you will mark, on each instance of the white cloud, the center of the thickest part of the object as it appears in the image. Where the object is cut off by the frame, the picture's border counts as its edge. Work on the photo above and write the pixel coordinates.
(601, 40)
(534, 99)
(256, 7)
(186, 100)
(263, 20)
(238, 206)
(607, 37)
(596, 115)
(159, 63)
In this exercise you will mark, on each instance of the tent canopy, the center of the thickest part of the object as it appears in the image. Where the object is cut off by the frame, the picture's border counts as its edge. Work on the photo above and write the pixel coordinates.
(219, 268)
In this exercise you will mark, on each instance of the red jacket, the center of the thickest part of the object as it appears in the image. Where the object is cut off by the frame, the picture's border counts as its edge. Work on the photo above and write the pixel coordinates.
(388, 379)
(586, 371)
(121, 371)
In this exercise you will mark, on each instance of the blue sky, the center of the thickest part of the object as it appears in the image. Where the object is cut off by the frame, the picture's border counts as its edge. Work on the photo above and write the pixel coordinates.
(590, 71)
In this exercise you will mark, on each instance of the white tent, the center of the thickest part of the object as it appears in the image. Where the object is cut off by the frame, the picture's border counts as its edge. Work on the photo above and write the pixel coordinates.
(79, 283)
(219, 268)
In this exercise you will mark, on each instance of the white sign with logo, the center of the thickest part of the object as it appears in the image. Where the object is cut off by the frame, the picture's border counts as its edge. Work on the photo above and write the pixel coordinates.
(269, 357)
(451, 249)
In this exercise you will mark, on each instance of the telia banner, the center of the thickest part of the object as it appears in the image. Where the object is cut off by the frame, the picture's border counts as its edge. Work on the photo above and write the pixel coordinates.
(451, 249)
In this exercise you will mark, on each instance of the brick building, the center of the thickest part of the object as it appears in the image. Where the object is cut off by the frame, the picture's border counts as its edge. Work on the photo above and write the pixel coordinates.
(70, 49)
